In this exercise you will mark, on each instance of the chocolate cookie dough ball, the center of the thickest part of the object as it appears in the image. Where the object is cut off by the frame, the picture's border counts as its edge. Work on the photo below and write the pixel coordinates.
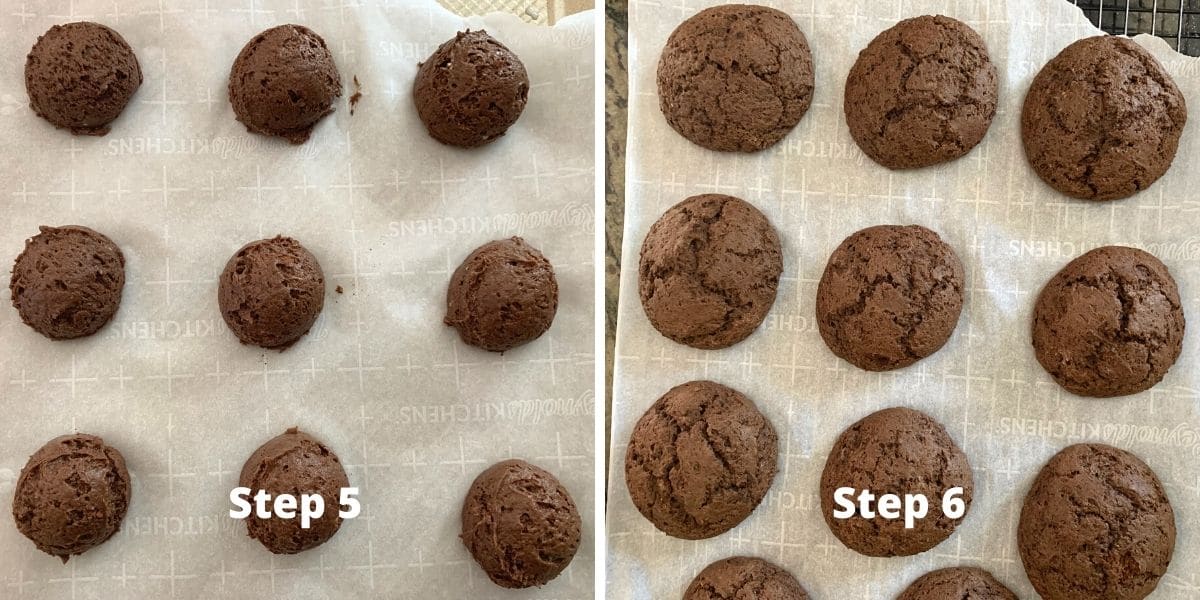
(744, 577)
(283, 82)
(957, 583)
(1096, 524)
(294, 463)
(471, 90)
(1110, 323)
(520, 524)
(735, 77)
(1102, 119)
(921, 93)
(895, 451)
(67, 282)
(700, 460)
(80, 76)
(502, 296)
(72, 495)
(271, 292)
(709, 269)
(890, 296)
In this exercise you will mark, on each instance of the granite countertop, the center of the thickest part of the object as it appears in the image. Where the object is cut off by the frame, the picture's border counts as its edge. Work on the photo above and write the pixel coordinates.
(616, 94)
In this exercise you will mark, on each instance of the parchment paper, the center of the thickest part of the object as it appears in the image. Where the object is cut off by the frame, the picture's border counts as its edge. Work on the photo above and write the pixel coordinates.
(1012, 233)
(414, 413)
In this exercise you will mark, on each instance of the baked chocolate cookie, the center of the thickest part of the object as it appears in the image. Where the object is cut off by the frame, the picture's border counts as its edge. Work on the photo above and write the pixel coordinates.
(283, 82)
(890, 296)
(744, 577)
(471, 90)
(709, 270)
(502, 296)
(895, 451)
(1102, 119)
(294, 463)
(1110, 323)
(72, 495)
(921, 93)
(957, 583)
(80, 76)
(700, 460)
(67, 282)
(735, 77)
(271, 292)
(1096, 524)
(520, 524)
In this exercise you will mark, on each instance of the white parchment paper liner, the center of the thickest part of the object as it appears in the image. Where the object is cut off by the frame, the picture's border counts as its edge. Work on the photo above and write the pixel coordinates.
(413, 413)
(1012, 233)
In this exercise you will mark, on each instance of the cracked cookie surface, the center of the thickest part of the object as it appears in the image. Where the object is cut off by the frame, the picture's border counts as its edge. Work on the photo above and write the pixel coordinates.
(709, 270)
(1102, 120)
(744, 577)
(735, 77)
(68, 281)
(895, 451)
(890, 296)
(957, 583)
(503, 295)
(700, 460)
(1096, 524)
(1110, 323)
(922, 92)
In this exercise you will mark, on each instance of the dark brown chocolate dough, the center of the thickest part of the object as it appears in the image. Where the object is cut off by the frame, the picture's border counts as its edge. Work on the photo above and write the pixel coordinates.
(271, 292)
(735, 77)
(1110, 323)
(80, 76)
(700, 460)
(72, 495)
(1096, 525)
(471, 90)
(283, 82)
(67, 282)
(520, 524)
(502, 296)
(1102, 119)
(921, 93)
(709, 271)
(294, 463)
(890, 296)
(957, 583)
(744, 578)
(895, 451)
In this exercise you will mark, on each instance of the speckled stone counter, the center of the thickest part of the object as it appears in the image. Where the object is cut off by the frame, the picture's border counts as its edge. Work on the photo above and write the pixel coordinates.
(616, 91)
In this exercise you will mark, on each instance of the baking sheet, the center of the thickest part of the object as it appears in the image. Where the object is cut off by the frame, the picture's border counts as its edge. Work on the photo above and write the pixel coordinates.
(1012, 233)
(413, 413)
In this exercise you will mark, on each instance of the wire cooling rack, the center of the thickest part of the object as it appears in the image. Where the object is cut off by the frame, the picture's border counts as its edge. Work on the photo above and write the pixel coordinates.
(1176, 21)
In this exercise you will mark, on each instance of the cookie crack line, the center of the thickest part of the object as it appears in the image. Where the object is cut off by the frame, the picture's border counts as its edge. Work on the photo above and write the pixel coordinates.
(674, 506)
(1152, 342)
(723, 55)
(908, 100)
(660, 270)
(687, 422)
(1155, 118)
